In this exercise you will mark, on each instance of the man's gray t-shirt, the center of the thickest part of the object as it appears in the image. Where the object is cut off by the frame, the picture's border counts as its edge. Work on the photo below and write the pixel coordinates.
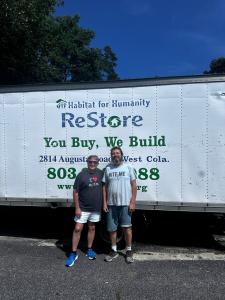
(89, 188)
(118, 181)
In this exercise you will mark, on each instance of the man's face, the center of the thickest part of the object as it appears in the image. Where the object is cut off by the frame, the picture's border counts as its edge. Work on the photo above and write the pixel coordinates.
(92, 164)
(116, 157)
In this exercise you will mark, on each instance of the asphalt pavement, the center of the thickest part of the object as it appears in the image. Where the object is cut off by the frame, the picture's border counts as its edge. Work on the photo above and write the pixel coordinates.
(177, 257)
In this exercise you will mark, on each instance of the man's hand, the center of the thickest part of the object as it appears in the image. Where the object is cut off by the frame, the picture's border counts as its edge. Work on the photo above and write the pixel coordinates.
(132, 206)
(78, 212)
(105, 208)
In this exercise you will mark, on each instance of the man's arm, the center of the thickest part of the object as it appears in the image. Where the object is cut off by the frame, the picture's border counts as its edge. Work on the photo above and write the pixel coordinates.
(132, 204)
(76, 203)
(104, 196)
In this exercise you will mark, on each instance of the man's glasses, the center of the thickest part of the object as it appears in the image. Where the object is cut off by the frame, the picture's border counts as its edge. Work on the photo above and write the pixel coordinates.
(92, 162)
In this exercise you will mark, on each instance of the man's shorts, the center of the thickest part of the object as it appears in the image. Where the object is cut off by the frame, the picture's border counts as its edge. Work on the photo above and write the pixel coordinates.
(88, 216)
(118, 215)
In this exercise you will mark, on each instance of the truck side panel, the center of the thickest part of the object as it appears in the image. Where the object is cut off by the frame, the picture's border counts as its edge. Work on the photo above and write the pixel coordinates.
(172, 134)
(216, 144)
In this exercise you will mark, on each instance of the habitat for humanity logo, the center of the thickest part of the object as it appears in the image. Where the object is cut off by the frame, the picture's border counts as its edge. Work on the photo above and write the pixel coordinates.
(61, 103)
(114, 121)
(93, 118)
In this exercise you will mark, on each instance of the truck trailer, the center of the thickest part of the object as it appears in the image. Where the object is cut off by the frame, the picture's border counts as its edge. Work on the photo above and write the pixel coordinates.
(172, 130)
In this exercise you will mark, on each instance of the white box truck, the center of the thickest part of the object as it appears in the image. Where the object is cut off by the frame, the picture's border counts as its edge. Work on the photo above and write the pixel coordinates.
(172, 130)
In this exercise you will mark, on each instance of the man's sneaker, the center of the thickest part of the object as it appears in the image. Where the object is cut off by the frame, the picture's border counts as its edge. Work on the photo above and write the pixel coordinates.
(71, 259)
(91, 254)
(129, 257)
(112, 255)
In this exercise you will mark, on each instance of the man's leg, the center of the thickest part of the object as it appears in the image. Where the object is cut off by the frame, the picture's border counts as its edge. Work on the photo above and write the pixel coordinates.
(93, 219)
(91, 234)
(113, 253)
(125, 221)
(128, 239)
(90, 239)
(113, 239)
(75, 240)
(76, 235)
(128, 236)
(112, 223)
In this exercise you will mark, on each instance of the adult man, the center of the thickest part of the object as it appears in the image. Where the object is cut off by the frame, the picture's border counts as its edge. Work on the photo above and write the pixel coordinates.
(119, 200)
(87, 195)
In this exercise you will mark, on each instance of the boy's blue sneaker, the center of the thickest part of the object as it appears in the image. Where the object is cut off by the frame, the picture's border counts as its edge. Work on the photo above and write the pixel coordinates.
(91, 254)
(71, 259)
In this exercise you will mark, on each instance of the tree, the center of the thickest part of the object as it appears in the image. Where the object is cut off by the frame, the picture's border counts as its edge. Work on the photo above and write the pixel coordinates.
(217, 66)
(39, 47)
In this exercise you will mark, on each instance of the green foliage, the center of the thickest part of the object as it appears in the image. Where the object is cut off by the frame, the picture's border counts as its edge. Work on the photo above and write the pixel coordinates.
(217, 66)
(39, 47)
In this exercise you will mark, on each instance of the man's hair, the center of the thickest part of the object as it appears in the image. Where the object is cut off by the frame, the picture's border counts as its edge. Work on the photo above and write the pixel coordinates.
(93, 156)
(116, 148)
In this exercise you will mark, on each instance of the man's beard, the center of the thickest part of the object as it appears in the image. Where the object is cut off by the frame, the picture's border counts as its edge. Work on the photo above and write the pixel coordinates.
(117, 160)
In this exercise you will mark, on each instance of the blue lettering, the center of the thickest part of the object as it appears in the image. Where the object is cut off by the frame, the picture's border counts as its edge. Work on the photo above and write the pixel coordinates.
(94, 120)
(102, 117)
(89, 117)
(78, 122)
(70, 104)
(137, 119)
(64, 119)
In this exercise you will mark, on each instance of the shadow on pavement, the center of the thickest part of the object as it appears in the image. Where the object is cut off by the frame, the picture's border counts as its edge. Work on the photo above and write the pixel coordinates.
(178, 229)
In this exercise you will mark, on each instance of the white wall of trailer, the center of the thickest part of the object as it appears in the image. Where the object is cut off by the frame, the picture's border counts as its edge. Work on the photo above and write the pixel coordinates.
(189, 119)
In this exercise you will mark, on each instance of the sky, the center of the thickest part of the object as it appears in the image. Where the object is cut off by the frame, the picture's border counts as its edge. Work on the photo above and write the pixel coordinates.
(155, 37)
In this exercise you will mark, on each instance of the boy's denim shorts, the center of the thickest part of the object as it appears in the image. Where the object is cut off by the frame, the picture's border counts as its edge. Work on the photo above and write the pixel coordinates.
(118, 215)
